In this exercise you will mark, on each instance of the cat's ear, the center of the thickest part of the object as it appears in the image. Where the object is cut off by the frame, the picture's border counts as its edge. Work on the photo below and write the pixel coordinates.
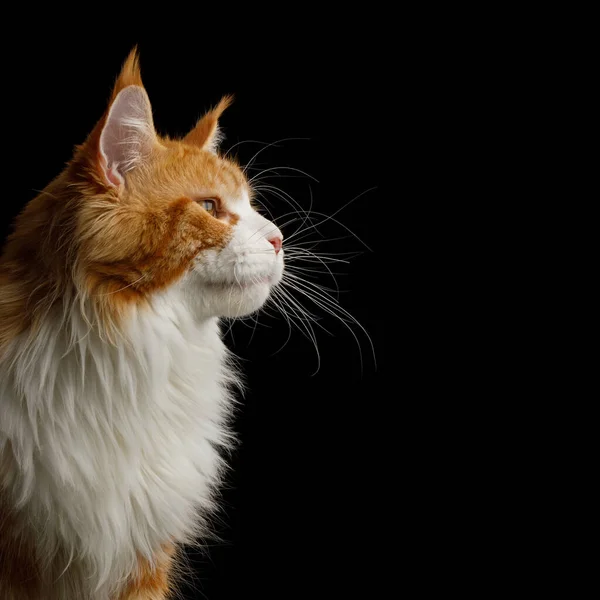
(125, 137)
(128, 136)
(206, 133)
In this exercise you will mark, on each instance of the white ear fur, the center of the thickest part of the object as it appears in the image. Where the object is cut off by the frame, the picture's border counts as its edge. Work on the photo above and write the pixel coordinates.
(214, 140)
(128, 135)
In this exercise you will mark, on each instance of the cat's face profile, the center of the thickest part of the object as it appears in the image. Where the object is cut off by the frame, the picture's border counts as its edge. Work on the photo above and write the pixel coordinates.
(236, 266)
(169, 212)
(135, 214)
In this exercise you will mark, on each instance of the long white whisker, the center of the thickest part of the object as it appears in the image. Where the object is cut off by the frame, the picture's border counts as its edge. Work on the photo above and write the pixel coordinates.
(284, 167)
(331, 218)
(328, 303)
(269, 146)
(242, 142)
(306, 323)
(263, 206)
(325, 265)
(283, 195)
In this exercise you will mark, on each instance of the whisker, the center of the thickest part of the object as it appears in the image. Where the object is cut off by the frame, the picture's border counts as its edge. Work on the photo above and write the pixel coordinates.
(328, 304)
(287, 168)
(331, 218)
(279, 193)
(240, 143)
(305, 254)
(262, 204)
(270, 146)
(296, 308)
(306, 265)
(309, 286)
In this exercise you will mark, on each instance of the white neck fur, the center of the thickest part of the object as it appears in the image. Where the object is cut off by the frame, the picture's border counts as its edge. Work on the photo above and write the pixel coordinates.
(115, 445)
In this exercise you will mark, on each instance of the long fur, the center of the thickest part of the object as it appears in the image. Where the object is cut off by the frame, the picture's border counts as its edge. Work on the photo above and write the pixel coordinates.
(115, 385)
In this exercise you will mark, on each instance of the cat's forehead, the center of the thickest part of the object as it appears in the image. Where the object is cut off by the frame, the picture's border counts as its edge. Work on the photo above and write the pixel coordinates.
(206, 173)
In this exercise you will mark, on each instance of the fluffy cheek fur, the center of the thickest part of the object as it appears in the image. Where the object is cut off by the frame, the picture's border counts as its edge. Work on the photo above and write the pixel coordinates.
(237, 280)
(127, 253)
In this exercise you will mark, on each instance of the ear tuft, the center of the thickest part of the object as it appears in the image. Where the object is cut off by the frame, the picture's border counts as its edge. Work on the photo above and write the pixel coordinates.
(128, 135)
(130, 74)
(206, 133)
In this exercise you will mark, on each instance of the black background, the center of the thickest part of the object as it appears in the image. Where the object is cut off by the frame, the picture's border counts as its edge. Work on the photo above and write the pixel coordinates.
(301, 506)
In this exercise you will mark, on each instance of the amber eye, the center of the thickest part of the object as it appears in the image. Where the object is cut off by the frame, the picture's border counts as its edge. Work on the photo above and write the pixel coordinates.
(210, 206)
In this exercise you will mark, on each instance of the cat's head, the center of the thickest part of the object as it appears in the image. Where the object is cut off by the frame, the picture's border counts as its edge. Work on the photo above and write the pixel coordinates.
(157, 212)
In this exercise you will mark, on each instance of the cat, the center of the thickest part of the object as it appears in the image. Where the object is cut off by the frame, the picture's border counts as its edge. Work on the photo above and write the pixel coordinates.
(115, 384)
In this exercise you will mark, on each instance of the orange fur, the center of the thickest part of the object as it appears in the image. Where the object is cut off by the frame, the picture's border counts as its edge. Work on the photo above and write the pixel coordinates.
(152, 581)
(206, 127)
(113, 247)
(23, 578)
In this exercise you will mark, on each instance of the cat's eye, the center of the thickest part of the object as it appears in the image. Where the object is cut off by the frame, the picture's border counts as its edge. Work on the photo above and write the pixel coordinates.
(210, 206)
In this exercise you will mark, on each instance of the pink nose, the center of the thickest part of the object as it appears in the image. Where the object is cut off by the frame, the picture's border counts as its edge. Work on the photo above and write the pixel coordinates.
(276, 241)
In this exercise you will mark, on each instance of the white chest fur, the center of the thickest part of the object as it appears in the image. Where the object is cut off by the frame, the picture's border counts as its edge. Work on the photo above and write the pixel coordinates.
(114, 445)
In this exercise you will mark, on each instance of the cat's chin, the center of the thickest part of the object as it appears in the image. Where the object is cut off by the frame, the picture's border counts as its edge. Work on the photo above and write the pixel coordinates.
(230, 300)
(237, 295)
(240, 301)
